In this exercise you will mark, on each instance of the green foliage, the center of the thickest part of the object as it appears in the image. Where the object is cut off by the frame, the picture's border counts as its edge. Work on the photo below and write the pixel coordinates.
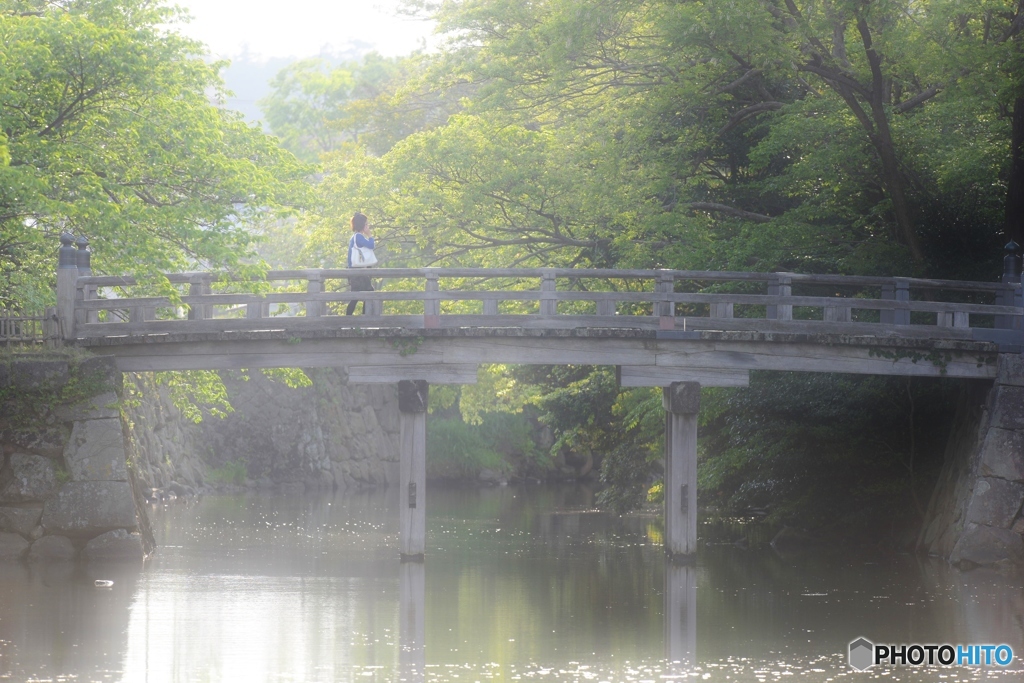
(63, 475)
(456, 450)
(497, 390)
(109, 132)
(501, 442)
(317, 107)
(825, 450)
(234, 473)
(196, 393)
(293, 378)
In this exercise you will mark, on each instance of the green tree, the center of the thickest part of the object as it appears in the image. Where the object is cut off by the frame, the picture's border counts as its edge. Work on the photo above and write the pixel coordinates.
(317, 107)
(868, 137)
(110, 132)
(829, 128)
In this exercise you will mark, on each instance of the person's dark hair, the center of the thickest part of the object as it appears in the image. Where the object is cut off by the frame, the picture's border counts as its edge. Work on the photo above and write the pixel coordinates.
(358, 222)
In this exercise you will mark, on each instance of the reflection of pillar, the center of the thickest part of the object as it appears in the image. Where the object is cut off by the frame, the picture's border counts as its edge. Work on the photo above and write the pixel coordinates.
(681, 401)
(680, 614)
(412, 626)
(412, 404)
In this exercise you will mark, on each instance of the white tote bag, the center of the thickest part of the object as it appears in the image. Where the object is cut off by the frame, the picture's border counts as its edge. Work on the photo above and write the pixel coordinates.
(362, 257)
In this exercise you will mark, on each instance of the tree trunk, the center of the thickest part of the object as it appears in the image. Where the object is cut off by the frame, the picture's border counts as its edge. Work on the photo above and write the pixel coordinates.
(893, 181)
(881, 138)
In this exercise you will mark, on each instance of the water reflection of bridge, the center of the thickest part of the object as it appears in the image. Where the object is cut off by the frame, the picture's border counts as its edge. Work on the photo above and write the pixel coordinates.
(679, 604)
(678, 330)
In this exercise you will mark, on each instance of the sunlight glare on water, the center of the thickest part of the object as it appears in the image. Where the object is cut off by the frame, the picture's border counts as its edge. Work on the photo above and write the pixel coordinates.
(519, 584)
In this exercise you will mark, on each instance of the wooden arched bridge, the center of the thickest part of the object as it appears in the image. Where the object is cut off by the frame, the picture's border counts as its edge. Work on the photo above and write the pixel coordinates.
(660, 328)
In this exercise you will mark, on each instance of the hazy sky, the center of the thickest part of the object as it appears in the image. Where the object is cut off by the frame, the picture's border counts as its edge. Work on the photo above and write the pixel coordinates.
(301, 28)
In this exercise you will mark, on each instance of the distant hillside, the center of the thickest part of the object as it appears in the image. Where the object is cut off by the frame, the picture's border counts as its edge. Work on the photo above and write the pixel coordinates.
(249, 75)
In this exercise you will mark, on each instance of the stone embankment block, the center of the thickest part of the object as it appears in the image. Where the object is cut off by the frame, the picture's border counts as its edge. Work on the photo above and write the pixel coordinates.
(115, 545)
(95, 451)
(20, 520)
(90, 508)
(63, 458)
(27, 478)
(977, 509)
(51, 549)
(325, 436)
(12, 546)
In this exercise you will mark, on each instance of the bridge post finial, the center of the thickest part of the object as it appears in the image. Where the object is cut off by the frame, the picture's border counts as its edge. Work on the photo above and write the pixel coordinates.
(1011, 262)
(67, 281)
(83, 257)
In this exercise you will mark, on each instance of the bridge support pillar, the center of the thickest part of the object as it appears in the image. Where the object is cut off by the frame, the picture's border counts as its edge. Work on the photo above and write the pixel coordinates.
(412, 478)
(681, 401)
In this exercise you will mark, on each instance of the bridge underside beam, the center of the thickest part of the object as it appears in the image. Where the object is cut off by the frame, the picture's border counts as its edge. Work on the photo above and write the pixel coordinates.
(427, 354)
(661, 376)
(392, 374)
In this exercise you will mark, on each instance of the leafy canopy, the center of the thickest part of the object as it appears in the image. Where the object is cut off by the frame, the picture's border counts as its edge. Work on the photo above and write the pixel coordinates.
(110, 129)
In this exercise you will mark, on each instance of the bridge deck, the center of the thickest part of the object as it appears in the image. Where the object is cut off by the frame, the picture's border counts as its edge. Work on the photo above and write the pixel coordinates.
(659, 326)
(646, 357)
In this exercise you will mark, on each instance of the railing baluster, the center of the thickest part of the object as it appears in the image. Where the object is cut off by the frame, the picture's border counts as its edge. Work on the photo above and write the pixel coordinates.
(606, 307)
(490, 307)
(254, 310)
(196, 288)
(837, 314)
(314, 285)
(665, 309)
(432, 304)
(902, 315)
(780, 285)
(137, 314)
(722, 310)
(548, 306)
(898, 291)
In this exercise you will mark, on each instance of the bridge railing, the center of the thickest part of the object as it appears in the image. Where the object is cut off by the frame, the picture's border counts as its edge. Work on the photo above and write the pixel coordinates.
(23, 329)
(552, 298)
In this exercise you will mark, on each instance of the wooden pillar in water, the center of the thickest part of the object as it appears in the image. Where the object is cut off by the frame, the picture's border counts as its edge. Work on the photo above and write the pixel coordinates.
(681, 401)
(680, 615)
(412, 406)
(412, 658)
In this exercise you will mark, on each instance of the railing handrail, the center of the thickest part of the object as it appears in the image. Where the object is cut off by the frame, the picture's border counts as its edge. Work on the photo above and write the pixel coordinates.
(208, 277)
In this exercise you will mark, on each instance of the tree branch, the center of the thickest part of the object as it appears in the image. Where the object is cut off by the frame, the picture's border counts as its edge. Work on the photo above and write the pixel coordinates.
(747, 112)
(920, 98)
(738, 82)
(711, 207)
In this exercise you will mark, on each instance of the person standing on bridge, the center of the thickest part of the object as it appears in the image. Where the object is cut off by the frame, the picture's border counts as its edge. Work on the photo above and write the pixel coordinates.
(360, 255)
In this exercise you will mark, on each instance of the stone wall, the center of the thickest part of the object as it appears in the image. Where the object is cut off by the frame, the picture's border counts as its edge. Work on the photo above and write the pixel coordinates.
(66, 484)
(329, 435)
(974, 518)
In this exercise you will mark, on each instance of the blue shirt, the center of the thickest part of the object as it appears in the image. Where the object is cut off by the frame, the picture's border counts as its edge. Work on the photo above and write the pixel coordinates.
(358, 240)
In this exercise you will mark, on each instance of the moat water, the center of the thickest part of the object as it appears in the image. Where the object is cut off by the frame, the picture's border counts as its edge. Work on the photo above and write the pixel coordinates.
(519, 584)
